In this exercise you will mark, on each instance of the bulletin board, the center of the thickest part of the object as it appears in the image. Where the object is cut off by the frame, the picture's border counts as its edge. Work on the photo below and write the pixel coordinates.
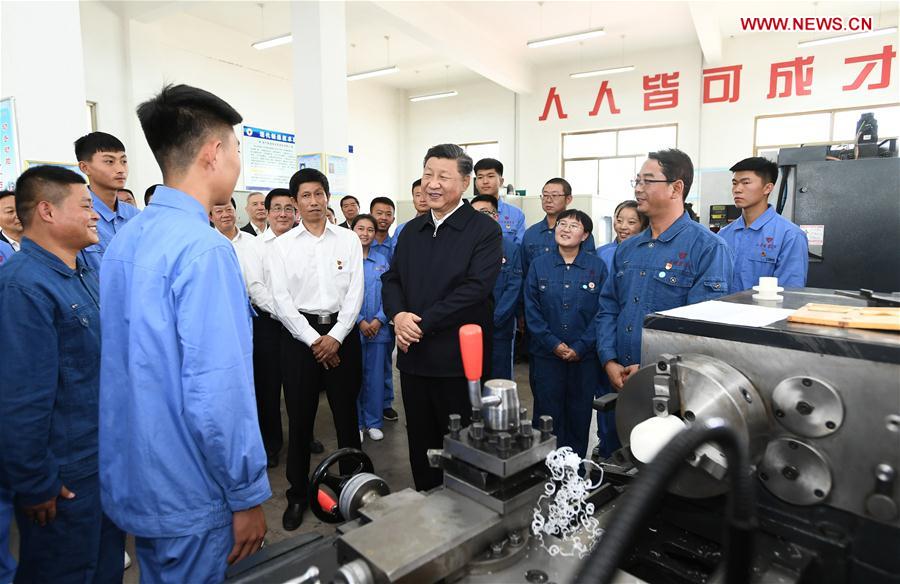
(9, 142)
(267, 158)
(334, 166)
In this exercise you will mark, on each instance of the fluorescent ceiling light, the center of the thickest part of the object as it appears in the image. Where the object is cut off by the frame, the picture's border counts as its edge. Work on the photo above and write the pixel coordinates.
(373, 73)
(848, 37)
(598, 72)
(566, 38)
(273, 42)
(433, 96)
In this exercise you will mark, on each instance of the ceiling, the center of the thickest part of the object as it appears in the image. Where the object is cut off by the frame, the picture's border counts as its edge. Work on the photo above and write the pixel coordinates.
(492, 34)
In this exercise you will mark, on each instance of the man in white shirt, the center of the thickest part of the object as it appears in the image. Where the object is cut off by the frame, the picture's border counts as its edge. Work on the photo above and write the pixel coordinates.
(10, 226)
(317, 291)
(256, 210)
(223, 219)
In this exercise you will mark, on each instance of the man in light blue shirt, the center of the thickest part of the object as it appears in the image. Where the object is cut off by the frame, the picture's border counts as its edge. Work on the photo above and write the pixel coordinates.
(763, 242)
(674, 263)
(182, 463)
(101, 157)
(540, 238)
(488, 181)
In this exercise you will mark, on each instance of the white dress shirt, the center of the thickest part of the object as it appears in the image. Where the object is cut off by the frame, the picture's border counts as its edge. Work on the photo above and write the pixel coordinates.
(243, 247)
(257, 229)
(439, 222)
(258, 271)
(317, 275)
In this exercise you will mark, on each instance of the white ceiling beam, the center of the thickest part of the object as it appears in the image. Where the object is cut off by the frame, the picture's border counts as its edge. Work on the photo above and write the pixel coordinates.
(146, 12)
(706, 24)
(445, 29)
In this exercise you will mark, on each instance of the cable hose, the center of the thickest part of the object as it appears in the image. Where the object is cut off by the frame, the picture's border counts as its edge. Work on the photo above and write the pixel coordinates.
(638, 504)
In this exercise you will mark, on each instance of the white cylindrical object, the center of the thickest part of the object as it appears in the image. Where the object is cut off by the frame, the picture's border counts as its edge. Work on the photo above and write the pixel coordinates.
(651, 436)
(767, 289)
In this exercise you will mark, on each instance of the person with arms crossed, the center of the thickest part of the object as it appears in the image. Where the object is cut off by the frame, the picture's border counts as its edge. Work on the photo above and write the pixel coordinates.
(182, 464)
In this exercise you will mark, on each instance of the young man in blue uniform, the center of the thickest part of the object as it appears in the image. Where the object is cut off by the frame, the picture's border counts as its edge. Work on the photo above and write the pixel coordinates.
(375, 334)
(540, 238)
(420, 203)
(763, 242)
(101, 157)
(561, 299)
(674, 263)
(383, 209)
(182, 463)
(49, 300)
(507, 292)
(488, 181)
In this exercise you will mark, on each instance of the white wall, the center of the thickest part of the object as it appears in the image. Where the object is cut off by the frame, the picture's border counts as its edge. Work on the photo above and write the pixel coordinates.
(129, 61)
(42, 68)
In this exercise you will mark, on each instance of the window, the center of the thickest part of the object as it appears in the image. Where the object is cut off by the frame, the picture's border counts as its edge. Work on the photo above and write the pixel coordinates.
(602, 163)
(833, 127)
(479, 150)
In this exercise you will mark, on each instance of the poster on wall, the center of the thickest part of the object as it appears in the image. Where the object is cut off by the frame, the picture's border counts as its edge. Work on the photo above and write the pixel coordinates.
(267, 158)
(334, 167)
(73, 166)
(9, 161)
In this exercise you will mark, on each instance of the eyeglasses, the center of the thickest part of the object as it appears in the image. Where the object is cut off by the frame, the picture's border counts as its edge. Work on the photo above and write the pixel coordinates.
(550, 196)
(646, 181)
(569, 226)
(490, 212)
(277, 210)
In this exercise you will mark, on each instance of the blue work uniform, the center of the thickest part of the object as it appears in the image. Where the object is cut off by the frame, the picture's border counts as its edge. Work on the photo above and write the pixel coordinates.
(397, 231)
(180, 445)
(110, 222)
(7, 561)
(6, 252)
(686, 264)
(386, 248)
(770, 246)
(512, 221)
(606, 421)
(507, 292)
(606, 252)
(561, 302)
(49, 410)
(540, 239)
(376, 352)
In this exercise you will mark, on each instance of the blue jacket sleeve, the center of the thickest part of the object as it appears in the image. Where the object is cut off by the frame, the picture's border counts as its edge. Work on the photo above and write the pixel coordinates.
(509, 298)
(217, 375)
(534, 317)
(793, 261)
(520, 229)
(27, 396)
(607, 318)
(715, 271)
(588, 341)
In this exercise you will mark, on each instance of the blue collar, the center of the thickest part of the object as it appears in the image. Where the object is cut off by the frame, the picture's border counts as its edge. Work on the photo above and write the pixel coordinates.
(50, 260)
(760, 222)
(578, 262)
(102, 210)
(173, 198)
(669, 234)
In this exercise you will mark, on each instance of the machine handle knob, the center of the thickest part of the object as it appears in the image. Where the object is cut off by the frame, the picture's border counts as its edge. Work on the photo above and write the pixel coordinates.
(471, 348)
(328, 504)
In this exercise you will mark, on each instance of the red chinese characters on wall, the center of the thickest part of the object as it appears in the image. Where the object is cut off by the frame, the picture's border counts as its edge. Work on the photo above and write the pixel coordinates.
(790, 78)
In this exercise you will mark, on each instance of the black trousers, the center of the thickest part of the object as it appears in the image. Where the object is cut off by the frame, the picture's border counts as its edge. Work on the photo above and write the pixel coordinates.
(304, 378)
(428, 401)
(268, 378)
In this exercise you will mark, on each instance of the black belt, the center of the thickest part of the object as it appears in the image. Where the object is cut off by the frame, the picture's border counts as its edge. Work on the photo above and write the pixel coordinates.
(320, 319)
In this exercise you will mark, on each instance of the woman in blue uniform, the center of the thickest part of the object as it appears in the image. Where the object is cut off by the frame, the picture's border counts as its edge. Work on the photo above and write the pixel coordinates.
(375, 334)
(562, 294)
(627, 221)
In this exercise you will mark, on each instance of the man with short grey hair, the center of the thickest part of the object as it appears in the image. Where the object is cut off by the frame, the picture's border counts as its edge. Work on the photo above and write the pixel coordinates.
(441, 278)
(256, 210)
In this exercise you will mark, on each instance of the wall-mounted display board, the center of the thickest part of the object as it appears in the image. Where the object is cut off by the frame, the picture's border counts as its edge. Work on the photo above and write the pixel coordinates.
(267, 158)
(9, 144)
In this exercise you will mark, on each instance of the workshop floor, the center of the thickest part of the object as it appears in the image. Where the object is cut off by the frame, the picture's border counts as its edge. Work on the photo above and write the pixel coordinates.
(389, 456)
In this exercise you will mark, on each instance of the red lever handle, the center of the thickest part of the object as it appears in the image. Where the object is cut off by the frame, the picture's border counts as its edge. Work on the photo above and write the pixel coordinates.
(326, 502)
(471, 348)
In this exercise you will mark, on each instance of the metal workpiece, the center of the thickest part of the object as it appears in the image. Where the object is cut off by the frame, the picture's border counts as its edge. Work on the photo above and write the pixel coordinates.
(706, 387)
(807, 406)
(361, 490)
(795, 472)
(502, 416)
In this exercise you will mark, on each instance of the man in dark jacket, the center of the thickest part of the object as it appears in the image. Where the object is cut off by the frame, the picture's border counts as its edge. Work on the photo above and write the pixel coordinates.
(440, 279)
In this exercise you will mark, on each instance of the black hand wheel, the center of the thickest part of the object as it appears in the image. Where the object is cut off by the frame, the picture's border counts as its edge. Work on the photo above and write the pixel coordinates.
(323, 504)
